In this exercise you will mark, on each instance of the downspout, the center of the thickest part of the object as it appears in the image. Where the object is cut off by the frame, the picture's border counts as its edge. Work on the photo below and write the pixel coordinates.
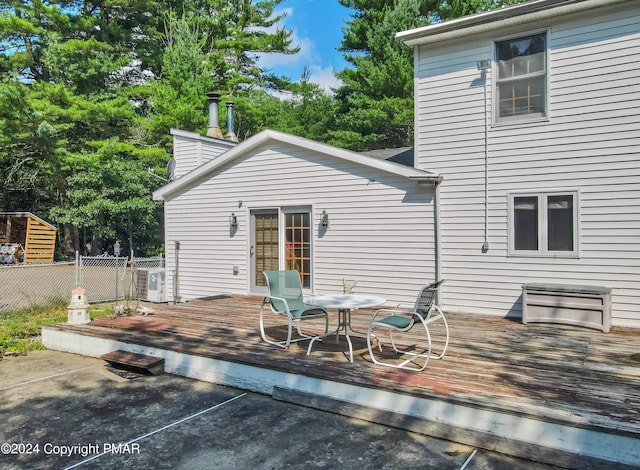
(484, 67)
(176, 273)
(436, 216)
(485, 245)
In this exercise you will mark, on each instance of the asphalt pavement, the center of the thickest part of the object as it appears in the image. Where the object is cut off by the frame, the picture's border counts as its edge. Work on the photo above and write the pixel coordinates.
(63, 411)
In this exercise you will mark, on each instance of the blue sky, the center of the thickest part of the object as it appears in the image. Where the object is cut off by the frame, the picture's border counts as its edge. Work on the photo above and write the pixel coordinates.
(317, 30)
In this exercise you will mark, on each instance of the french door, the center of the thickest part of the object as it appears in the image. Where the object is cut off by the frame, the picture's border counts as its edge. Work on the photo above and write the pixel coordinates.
(280, 239)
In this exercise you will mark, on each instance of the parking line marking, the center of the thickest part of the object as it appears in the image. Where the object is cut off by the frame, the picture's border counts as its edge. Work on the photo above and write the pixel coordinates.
(159, 430)
(464, 465)
(44, 378)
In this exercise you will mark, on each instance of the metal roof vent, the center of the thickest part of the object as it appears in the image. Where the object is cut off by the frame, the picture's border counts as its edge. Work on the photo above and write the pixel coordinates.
(214, 125)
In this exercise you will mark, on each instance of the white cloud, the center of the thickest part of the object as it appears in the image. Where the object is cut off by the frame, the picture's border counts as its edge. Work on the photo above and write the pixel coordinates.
(292, 65)
(276, 60)
(325, 78)
(283, 62)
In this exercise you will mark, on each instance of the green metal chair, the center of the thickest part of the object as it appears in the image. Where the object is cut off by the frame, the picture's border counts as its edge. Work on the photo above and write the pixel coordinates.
(398, 321)
(285, 298)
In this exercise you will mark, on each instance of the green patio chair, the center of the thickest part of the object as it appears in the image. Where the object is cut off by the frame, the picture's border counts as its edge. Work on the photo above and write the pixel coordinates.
(414, 356)
(285, 298)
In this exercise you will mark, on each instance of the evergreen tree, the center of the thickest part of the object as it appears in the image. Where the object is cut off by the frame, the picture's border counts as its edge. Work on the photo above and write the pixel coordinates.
(376, 105)
(213, 46)
(90, 90)
(176, 98)
(376, 99)
(235, 32)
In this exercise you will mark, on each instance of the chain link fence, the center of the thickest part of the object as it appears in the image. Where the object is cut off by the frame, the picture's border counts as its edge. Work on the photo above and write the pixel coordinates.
(25, 285)
(105, 278)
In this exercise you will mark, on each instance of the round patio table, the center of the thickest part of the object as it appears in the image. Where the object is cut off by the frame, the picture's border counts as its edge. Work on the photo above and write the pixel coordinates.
(344, 303)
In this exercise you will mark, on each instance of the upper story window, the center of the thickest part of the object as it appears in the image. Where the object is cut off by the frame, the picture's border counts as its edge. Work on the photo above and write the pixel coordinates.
(521, 82)
(544, 224)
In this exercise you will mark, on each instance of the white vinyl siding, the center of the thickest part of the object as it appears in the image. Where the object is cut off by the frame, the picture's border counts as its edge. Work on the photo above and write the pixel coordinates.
(591, 142)
(186, 153)
(191, 150)
(380, 233)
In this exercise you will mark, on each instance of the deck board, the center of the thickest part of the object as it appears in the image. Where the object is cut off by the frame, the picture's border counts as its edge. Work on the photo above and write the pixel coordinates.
(553, 372)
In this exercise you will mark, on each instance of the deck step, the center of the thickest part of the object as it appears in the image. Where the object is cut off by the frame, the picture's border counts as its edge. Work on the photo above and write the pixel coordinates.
(155, 365)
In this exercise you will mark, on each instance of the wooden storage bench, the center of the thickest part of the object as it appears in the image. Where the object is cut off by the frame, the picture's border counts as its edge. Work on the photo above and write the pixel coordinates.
(588, 306)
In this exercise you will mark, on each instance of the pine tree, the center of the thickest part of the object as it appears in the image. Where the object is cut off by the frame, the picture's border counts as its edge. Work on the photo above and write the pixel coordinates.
(90, 90)
(376, 100)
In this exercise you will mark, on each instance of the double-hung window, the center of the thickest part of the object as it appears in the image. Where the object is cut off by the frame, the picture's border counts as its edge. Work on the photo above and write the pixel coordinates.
(521, 81)
(544, 224)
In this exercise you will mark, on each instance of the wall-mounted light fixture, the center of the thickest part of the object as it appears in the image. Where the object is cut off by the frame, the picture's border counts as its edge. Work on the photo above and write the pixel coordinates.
(233, 221)
(324, 219)
(484, 65)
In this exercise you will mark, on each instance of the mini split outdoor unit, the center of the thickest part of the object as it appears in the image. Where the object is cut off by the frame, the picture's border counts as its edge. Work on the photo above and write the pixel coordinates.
(152, 286)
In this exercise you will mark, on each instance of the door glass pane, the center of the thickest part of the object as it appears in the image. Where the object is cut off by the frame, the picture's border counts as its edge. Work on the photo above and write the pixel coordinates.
(266, 247)
(560, 224)
(525, 223)
(297, 245)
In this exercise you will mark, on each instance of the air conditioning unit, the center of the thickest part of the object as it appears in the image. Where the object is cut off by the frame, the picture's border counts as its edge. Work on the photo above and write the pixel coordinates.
(152, 285)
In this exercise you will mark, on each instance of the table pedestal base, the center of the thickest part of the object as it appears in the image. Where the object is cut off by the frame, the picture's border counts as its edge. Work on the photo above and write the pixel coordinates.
(344, 325)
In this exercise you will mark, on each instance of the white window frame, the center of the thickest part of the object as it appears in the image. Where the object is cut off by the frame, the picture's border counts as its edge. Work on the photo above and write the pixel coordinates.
(543, 250)
(524, 118)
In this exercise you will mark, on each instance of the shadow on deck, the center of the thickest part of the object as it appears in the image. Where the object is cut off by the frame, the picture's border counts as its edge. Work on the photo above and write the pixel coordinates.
(564, 395)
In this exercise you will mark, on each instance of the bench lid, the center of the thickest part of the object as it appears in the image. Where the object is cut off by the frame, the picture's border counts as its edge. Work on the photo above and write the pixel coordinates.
(574, 289)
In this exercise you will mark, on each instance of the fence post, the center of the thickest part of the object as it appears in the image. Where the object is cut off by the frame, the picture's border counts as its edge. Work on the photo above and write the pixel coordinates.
(132, 271)
(77, 271)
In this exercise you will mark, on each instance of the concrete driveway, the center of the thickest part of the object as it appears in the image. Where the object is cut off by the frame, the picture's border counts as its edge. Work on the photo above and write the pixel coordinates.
(61, 410)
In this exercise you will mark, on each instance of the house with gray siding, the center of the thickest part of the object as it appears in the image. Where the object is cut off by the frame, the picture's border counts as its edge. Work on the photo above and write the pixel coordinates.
(194, 150)
(531, 114)
(526, 170)
(277, 201)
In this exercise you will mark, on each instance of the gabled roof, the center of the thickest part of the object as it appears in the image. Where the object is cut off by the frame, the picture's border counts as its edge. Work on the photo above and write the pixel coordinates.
(500, 18)
(268, 136)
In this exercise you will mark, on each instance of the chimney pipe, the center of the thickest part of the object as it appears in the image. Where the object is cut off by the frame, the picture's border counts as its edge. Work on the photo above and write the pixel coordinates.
(214, 126)
(230, 134)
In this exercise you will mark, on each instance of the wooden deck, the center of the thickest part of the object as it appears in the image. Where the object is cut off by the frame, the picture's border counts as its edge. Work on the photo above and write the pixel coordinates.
(552, 373)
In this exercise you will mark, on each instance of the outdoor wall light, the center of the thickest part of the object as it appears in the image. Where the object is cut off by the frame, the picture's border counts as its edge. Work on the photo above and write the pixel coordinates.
(484, 65)
(324, 219)
(233, 221)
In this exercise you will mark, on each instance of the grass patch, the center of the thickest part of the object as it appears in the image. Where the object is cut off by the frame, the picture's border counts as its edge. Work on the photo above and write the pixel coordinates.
(20, 329)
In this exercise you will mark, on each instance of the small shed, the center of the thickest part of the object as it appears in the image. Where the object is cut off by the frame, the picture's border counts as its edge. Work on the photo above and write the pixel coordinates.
(28, 232)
